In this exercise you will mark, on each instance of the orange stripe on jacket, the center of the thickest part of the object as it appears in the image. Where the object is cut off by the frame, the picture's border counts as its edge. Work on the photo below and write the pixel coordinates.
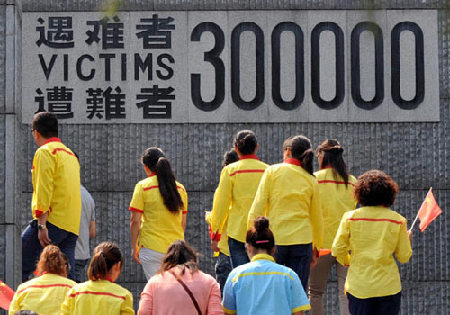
(62, 149)
(326, 181)
(156, 186)
(98, 293)
(247, 171)
(370, 219)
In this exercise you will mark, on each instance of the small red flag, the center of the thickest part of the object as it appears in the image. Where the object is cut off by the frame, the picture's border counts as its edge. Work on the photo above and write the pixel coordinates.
(428, 211)
(6, 295)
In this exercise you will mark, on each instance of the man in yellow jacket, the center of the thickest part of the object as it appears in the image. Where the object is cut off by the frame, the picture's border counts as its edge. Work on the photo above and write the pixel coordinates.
(56, 200)
(288, 195)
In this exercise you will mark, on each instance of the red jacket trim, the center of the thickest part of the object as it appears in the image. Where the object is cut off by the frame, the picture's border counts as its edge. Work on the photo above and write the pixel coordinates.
(98, 293)
(375, 220)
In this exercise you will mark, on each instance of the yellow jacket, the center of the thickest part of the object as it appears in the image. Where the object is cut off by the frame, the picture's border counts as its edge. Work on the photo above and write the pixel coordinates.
(159, 227)
(43, 295)
(234, 196)
(335, 198)
(289, 196)
(372, 235)
(56, 185)
(98, 297)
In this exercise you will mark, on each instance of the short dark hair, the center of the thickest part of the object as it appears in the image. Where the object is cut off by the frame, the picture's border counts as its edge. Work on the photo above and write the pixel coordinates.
(230, 157)
(245, 142)
(46, 124)
(375, 188)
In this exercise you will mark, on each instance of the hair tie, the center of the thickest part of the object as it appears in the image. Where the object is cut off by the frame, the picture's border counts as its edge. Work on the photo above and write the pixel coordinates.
(262, 241)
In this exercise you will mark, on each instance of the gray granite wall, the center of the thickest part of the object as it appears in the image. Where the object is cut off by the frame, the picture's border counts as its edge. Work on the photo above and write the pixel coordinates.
(414, 154)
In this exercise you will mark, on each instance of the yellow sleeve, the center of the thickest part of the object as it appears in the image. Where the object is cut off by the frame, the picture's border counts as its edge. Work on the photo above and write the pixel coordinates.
(341, 243)
(43, 179)
(260, 205)
(137, 201)
(15, 303)
(67, 307)
(403, 250)
(184, 198)
(316, 217)
(127, 305)
(221, 202)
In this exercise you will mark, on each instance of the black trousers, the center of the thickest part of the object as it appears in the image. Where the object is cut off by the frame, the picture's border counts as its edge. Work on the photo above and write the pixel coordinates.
(383, 305)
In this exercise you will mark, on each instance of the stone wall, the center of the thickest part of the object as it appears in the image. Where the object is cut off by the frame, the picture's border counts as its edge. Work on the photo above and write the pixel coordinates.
(414, 154)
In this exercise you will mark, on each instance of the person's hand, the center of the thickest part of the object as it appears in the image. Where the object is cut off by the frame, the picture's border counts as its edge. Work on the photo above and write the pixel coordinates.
(410, 234)
(207, 213)
(315, 257)
(215, 246)
(44, 240)
(135, 255)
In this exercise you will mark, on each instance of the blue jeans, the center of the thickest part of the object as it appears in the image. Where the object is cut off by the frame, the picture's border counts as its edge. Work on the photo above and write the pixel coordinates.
(298, 258)
(31, 248)
(222, 268)
(80, 270)
(238, 254)
(386, 305)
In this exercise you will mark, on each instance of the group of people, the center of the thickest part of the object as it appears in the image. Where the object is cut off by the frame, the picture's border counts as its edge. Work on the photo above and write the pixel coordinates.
(277, 231)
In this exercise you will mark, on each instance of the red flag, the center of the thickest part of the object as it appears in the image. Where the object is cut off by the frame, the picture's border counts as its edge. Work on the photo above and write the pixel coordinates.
(6, 295)
(428, 211)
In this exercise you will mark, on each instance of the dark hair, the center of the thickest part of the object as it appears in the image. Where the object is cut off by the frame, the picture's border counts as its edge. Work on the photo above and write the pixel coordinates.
(52, 260)
(302, 151)
(245, 142)
(156, 161)
(46, 124)
(229, 157)
(260, 236)
(332, 157)
(375, 188)
(106, 255)
(180, 253)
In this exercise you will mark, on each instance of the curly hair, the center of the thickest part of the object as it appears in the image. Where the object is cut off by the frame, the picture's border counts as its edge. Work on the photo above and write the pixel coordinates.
(376, 188)
(52, 260)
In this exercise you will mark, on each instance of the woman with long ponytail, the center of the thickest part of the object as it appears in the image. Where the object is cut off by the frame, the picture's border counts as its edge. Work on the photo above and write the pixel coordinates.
(100, 295)
(158, 211)
(336, 188)
(288, 195)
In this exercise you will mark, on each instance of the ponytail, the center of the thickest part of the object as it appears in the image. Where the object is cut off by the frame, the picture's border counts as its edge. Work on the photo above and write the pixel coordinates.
(302, 151)
(333, 157)
(167, 185)
(260, 236)
(245, 142)
(106, 255)
(156, 161)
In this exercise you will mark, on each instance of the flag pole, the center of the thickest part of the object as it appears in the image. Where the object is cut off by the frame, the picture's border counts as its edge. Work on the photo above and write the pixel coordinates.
(414, 222)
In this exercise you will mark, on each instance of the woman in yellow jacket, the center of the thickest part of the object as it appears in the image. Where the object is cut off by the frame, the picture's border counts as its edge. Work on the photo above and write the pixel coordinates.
(289, 196)
(373, 234)
(46, 293)
(336, 189)
(234, 196)
(100, 295)
(158, 212)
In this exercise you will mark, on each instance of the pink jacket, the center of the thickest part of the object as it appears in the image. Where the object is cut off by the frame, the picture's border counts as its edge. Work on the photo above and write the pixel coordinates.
(164, 295)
